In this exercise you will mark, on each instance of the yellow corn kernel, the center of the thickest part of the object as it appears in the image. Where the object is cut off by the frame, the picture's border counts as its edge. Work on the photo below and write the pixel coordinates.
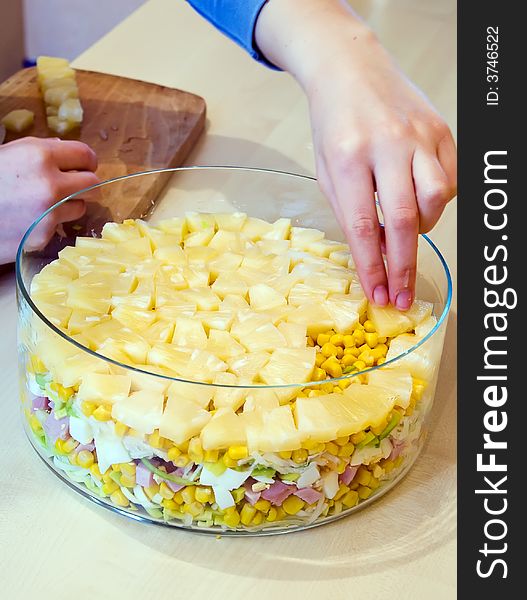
(204, 495)
(374, 483)
(359, 365)
(95, 471)
(323, 338)
(151, 491)
(73, 459)
(258, 518)
(301, 394)
(342, 491)
(188, 494)
(165, 491)
(325, 388)
(346, 450)
(195, 450)
(388, 466)
(398, 461)
(341, 466)
(102, 414)
(69, 445)
(116, 467)
(127, 480)
(348, 360)
(369, 327)
(58, 446)
(372, 339)
(310, 341)
(358, 335)
(106, 476)
(340, 352)
(300, 456)
(349, 341)
(332, 448)
(364, 492)
(127, 468)
(211, 456)
(110, 487)
(120, 429)
(292, 504)
(247, 513)
(319, 359)
(417, 390)
(154, 439)
(309, 444)
(231, 518)
(119, 498)
(328, 350)
(228, 461)
(173, 453)
(383, 348)
(194, 508)
(382, 339)
(337, 390)
(354, 485)
(357, 438)
(367, 358)
(170, 504)
(263, 505)
(87, 408)
(35, 425)
(337, 339)
(344, 384)
(85, 459)
(272, 514)
(378, 429)
(238, 452)
(352, 352)
(64, 393)
(285, 454)
(318, 374)
(363, 476)
(36, 364)
(342, 441)
(332, 367)
(178, 498)
(181, 461)
(381, 361)
(350, 499)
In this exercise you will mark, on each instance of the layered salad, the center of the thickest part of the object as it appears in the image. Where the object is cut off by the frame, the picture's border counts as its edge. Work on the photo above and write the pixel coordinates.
(223, 372)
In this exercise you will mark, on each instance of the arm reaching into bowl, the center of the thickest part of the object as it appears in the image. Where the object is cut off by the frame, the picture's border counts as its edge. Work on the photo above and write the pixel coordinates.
(372, 130)
(34, 174)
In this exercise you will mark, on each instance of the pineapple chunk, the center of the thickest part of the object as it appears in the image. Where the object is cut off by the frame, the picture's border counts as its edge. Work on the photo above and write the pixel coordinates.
(104, 388)
(120, 232)
(395, 381)
(256, 229)
(422, 361)
(272, 430)
(260, 399)
(301, 237)
(171, 255)
(425, 326)
(248, 366)
(326, 247)
(141, 410)
(60, 127)
(344, 314)
(335, 285)
(228, 284)
(233, 302)
(57, 96)
(198, 221)
(225, 429)
(294, 334)
(74, 368)
(189, 332)
(315, 316)
(314, 421)
(303, 294)
(419, 311)
(264, 297)
(176, 226)
(18, 120)
(199, 394)
(133, 317)
(230, 221)
(288, 366)
(223, 345)
(71, 110)
(227, 262)
(388, 321)
(182, 419)
(216, 319)
(228, 241)
(198, 238)
(265, 337)
(160, 331)
(81, 319)
(232, 397)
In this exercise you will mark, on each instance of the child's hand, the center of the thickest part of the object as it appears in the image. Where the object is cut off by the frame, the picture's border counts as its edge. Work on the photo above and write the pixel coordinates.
(373, 131)
(34, 174)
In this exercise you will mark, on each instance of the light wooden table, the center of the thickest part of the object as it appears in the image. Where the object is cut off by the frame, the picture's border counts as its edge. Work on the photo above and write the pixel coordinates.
(56, 545)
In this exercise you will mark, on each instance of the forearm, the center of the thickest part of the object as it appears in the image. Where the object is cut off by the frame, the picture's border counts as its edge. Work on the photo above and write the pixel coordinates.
(309, 39)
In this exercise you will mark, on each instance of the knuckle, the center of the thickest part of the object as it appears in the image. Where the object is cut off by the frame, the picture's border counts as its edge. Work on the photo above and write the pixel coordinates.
(364, 227)
(437, 196)
(404, 218)
(348, 151)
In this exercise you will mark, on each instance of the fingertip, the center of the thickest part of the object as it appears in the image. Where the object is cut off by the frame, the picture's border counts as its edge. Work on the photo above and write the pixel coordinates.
(380, 295)
(403, 300)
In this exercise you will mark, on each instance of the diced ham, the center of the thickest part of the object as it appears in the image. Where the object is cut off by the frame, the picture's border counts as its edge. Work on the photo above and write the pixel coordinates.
(308, 495)
(175, 487)
(56, 428)
(40, 403)
(396, 451)
(349, 473)
(278, 492)
(143, 476)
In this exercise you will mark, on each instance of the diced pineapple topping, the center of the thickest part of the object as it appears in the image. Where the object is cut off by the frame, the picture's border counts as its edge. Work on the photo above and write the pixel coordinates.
(60, 94)
(231, 301)
(18, 120)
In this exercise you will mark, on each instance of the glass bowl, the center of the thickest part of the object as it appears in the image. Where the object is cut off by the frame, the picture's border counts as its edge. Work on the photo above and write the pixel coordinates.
(323, 449)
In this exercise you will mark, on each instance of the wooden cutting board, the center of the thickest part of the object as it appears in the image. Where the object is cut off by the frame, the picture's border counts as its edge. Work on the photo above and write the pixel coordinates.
(132, 126)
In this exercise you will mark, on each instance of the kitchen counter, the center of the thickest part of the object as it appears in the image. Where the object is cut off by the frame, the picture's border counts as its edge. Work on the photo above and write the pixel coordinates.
(57, 545)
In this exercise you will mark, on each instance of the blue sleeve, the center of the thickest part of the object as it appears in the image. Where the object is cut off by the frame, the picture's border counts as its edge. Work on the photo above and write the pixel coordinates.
(236, 19)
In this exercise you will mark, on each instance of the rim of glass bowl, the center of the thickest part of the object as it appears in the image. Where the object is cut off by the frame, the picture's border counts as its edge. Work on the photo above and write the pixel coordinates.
(63, 335)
